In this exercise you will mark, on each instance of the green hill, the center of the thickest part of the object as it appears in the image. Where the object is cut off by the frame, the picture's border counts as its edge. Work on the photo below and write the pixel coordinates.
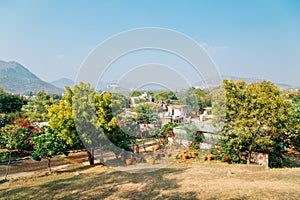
(15, 78)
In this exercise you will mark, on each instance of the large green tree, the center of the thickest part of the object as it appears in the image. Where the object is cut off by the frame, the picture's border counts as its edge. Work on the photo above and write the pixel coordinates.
(62, 123)
(294, 136)
(47, 146)
(164, 96)
(85, 118)
(145, 113)
(257, 119)
(116, 139)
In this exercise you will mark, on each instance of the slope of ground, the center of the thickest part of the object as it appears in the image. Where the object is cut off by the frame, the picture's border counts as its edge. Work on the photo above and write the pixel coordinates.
(188, 180)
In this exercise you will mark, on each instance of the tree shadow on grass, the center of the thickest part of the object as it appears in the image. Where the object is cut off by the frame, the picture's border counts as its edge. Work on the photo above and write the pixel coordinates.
(150, 185)
(155, 185)
(75, 168)
(107, 184)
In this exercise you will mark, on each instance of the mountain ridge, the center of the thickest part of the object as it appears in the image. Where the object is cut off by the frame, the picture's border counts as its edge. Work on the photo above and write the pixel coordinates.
(15, 78)
(63, 82)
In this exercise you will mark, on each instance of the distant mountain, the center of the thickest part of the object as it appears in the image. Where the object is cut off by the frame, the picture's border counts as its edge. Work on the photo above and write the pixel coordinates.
(216, 81)
(62, 83)
(15, 78)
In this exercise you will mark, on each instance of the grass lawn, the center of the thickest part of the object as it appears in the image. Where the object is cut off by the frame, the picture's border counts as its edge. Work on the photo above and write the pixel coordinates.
(187, 180)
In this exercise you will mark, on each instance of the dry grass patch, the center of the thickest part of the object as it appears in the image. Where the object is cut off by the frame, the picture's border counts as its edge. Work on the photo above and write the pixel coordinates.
(193, 180)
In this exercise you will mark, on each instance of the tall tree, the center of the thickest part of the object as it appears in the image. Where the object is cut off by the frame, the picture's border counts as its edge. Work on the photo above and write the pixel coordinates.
(257, 119)
(85, 118)
(47, 146)
(116, 139)
(62, 123)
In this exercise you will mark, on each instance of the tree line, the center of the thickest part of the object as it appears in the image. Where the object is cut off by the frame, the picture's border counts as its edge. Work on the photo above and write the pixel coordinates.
(255, 117)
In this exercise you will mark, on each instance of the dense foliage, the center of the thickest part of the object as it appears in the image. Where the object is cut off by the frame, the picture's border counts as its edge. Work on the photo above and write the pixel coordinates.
(37, 108)
(118, 139)
(197, 98)
(3, 120)
(167, 131)
(118, 104)
(17, 134)
(294, 136)
(136, 93)
(257, 120)
(62, 122)
(10, 103)
(164, 96)
(129, 126)
(47, 146)
(145, 114)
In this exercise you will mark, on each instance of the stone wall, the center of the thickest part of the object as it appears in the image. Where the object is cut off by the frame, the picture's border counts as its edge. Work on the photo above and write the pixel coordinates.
(260, 159)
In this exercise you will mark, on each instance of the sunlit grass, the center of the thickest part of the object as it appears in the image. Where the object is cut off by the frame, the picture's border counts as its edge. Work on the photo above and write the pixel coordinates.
(188, 180)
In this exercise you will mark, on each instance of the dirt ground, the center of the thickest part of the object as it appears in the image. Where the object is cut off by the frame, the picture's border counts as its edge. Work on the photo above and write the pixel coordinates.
(191, 179)
(26, 164)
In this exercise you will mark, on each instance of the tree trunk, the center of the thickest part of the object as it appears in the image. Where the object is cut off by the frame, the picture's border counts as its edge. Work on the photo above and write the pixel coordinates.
(144, 146)
(101, 155)
(8, 165)
(49, 165)
(249, 156)
(136, 148)
(91, 156)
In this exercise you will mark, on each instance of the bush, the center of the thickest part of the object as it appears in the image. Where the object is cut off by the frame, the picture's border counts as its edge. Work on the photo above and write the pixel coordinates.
(46, 146)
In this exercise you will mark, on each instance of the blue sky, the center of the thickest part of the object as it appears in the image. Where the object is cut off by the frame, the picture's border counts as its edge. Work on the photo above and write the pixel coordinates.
(244, 38)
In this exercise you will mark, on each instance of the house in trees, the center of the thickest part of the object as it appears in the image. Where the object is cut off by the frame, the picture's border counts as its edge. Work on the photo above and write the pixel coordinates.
(140, 99)
(176, 113)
